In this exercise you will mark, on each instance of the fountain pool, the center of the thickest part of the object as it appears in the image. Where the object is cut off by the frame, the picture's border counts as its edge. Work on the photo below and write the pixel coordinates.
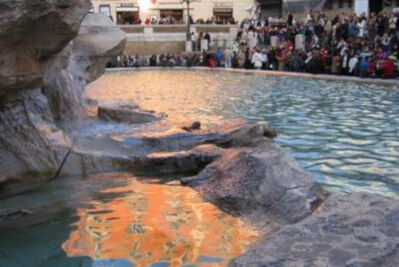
(345, 133)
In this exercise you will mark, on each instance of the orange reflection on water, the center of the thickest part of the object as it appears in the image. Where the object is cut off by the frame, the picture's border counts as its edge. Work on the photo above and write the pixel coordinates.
(158, 223)
(184, 96)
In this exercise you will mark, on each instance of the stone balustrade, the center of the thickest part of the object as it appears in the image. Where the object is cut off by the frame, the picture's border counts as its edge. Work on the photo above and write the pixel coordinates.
(146, 40)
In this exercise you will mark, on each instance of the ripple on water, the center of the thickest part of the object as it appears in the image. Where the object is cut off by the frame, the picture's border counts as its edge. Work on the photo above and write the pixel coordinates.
(317, 120)
(117, 219)
(157, 224)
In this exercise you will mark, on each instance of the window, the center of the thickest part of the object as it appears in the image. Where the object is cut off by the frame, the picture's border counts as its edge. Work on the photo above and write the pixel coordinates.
(223, 13)
(329, 4)
(127, 14)
(105, 9)
(177, 14)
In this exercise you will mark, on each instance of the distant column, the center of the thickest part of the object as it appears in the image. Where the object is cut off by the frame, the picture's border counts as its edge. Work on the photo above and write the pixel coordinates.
(361, 6)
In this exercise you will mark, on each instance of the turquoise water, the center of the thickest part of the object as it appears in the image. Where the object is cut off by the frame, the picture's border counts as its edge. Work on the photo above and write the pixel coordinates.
(345, 133)
(120, 220)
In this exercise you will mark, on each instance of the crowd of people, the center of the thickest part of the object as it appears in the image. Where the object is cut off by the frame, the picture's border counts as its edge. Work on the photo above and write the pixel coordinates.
(346, 45)
(343, 45)
(204, 59)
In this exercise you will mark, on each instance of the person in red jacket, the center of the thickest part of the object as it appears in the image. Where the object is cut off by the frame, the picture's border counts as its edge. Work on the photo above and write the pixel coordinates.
(372, 67)
(388, 68)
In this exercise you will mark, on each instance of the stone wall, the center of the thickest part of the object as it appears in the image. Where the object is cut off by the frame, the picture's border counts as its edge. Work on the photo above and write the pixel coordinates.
(150, 48)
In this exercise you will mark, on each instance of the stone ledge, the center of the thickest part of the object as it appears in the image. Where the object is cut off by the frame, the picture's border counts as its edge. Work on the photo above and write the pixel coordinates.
(359, 229)
(385, 82)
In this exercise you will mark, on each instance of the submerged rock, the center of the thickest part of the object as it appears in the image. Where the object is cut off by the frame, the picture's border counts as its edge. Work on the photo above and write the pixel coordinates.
(125, 111)
(13, 214)
(194, 126)
(359, 229)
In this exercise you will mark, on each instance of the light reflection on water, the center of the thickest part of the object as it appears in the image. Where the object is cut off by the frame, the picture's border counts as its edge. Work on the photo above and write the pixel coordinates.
(117, 219)
(155, 224)
(347, 134)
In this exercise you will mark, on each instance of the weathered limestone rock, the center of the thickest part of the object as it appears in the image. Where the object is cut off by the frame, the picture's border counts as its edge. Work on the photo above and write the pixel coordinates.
(30, 144)
(353, 230)
(231, 134)
(31, 32)
(125, 111)
(81, 62)
(98, 41)
(263, 184)
(162, 163)
(172, 152)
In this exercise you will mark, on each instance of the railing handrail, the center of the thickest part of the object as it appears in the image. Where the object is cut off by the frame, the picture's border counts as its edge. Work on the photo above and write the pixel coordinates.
(176, 25)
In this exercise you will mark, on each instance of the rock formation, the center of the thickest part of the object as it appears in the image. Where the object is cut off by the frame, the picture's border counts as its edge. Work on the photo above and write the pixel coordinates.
(31, 32)
(125, 111)
(42, 54)
(263, 184)
(43, 72)
(80, 63)
(347, 230)
(171, 151)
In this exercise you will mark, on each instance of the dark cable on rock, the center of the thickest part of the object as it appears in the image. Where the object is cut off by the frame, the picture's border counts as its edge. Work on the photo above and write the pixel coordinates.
(62, 163)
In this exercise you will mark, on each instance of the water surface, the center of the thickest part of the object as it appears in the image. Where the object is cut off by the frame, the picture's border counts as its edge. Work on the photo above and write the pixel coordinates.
(345, 133)
(116, 219)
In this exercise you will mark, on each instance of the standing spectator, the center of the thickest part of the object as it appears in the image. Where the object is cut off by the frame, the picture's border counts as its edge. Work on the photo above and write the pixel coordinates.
(228, 54)
(258, 59)
(388, 67)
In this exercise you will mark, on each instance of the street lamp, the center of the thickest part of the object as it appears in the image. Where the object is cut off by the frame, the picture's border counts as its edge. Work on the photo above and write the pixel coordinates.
(189, 46)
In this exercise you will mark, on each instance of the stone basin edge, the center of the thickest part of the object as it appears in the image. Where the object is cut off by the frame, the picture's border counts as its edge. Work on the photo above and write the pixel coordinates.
(326, 77)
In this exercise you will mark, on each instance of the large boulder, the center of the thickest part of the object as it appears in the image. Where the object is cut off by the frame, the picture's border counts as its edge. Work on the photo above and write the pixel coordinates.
(262, 184)
(31, 32)
(356, 230)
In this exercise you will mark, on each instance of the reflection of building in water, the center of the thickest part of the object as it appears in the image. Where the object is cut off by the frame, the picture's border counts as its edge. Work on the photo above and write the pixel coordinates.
(126, 11)
(155, 223)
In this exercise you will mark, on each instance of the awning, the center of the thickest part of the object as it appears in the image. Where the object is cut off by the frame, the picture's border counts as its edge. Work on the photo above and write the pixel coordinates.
(127, 9)
(222, 10)
(170, 6)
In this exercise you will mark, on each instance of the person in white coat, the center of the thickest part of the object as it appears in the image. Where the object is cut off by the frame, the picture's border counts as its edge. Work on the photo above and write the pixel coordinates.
(362, 24)
(353, 64)
(258, 59)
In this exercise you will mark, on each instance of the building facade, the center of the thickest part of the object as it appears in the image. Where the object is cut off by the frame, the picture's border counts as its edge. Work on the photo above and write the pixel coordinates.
(128, 11)
(334, 7)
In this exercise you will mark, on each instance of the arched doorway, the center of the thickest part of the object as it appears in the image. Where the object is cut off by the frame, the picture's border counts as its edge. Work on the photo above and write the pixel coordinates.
(375, 6)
